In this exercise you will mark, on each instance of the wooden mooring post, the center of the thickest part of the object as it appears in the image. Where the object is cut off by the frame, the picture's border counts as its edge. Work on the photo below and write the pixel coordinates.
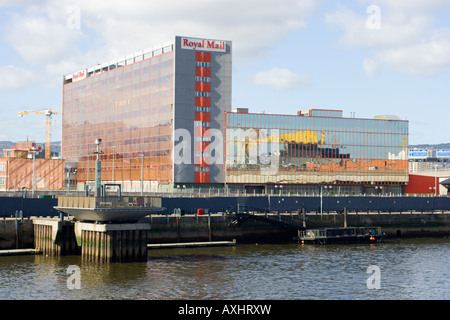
(108, 243)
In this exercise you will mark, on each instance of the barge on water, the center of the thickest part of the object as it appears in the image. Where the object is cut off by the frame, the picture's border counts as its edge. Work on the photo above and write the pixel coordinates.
(341, 235)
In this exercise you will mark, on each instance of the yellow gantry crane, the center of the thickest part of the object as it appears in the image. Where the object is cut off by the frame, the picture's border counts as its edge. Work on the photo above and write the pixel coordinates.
(48, 130)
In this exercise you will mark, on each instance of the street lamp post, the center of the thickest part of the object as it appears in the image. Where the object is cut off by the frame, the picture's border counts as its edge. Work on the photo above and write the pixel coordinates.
(68, 179)
(87, 178)
(321, 201)
(98, 169)
(114, 156)
(435, 180)
(142, 173)
(321, 197)
(33, 152)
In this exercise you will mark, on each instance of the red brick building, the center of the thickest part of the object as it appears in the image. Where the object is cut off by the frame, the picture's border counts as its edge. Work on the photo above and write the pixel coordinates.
(16, 172)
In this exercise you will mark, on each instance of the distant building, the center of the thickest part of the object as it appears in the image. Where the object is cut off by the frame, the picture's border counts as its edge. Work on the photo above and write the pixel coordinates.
(315, 151)
(164, 116)
(140, 104)
(17, 167)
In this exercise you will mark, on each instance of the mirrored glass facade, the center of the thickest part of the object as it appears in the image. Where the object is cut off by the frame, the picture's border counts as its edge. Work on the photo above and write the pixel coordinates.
(140, 104)
(131, 108)
(315, 147)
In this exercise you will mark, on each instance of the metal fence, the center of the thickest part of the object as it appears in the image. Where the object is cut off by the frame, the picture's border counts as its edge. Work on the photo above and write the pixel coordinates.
(188, 202)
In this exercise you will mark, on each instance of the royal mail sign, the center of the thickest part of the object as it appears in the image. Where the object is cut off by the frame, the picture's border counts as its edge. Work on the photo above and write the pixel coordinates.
(79, 75)
(203, 44)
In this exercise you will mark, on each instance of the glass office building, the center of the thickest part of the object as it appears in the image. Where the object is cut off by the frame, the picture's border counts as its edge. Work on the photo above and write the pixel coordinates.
(164, 116)
(142, 106)
(315, 149)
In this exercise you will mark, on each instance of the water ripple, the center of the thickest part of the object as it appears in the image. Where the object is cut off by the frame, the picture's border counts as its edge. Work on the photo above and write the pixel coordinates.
(410, 269)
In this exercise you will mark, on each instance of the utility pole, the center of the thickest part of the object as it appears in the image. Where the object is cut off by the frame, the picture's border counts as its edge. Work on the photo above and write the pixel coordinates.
(142, 174)
(98, 169)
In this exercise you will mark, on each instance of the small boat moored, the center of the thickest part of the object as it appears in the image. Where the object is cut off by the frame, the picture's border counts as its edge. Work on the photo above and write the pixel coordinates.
(341, 235)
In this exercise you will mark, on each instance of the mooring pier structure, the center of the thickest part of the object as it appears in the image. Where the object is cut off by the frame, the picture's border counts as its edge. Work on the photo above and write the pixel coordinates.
(107, 228)
(107, 243)
(54, 237)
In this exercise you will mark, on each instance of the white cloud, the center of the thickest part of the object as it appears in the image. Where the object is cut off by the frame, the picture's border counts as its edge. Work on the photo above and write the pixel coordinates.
(40, 38)
(428, 58)
(394, 29)
(12, 77)
(41, 35)
(254, 27)
(280, 79)
(412, 4)
(370, 67)
(407, 39)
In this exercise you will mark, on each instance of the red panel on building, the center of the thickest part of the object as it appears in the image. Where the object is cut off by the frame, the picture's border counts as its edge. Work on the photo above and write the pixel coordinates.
(203, 101)
(203, 56)
(202, 177)
(203, 72)
(203, 86)
(203, 116)
(422, 184)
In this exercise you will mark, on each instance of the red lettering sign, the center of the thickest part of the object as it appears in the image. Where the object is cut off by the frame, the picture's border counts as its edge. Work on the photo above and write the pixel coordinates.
(203, 44)
(78, 75)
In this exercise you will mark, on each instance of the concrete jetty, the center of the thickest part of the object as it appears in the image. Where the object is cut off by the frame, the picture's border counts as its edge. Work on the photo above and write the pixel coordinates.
(16, 252)
(191, 244)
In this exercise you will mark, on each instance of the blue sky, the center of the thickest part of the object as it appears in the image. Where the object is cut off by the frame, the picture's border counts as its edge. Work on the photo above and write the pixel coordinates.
(367, 57)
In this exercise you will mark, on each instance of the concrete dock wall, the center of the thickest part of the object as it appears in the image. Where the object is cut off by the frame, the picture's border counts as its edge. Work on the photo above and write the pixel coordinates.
(393, 224)
(219, 227)
(229, 227)
(16, 233)
(19, 233)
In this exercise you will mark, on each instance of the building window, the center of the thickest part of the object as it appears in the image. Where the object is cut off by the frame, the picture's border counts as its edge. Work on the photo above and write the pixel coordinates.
(2, 167)
(201, 154)
(203, 79)
(203, 64)
(202, 139)
(2, 181)
(201, 94)
(202, 124)
(202, 109)
(202, 169)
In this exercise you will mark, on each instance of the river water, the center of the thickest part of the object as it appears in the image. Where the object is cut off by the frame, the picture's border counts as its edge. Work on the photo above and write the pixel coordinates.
(406, 269)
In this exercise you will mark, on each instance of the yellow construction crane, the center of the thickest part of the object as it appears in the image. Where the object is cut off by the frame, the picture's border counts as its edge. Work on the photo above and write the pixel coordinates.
(48, 130)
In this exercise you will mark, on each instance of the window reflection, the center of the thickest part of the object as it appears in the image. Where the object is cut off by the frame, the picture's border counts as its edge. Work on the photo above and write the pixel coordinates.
(130, 108)
(316, 149)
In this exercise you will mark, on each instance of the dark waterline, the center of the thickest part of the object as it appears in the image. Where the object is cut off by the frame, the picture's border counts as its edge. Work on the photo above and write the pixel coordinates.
(409, 269)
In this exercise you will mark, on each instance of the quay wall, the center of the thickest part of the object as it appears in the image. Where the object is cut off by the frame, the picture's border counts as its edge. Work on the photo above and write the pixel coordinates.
(397, 216)
(247, 230)
(405, 224)
(19, 233)
(16, 233)
(11, 206)
(219, 227)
